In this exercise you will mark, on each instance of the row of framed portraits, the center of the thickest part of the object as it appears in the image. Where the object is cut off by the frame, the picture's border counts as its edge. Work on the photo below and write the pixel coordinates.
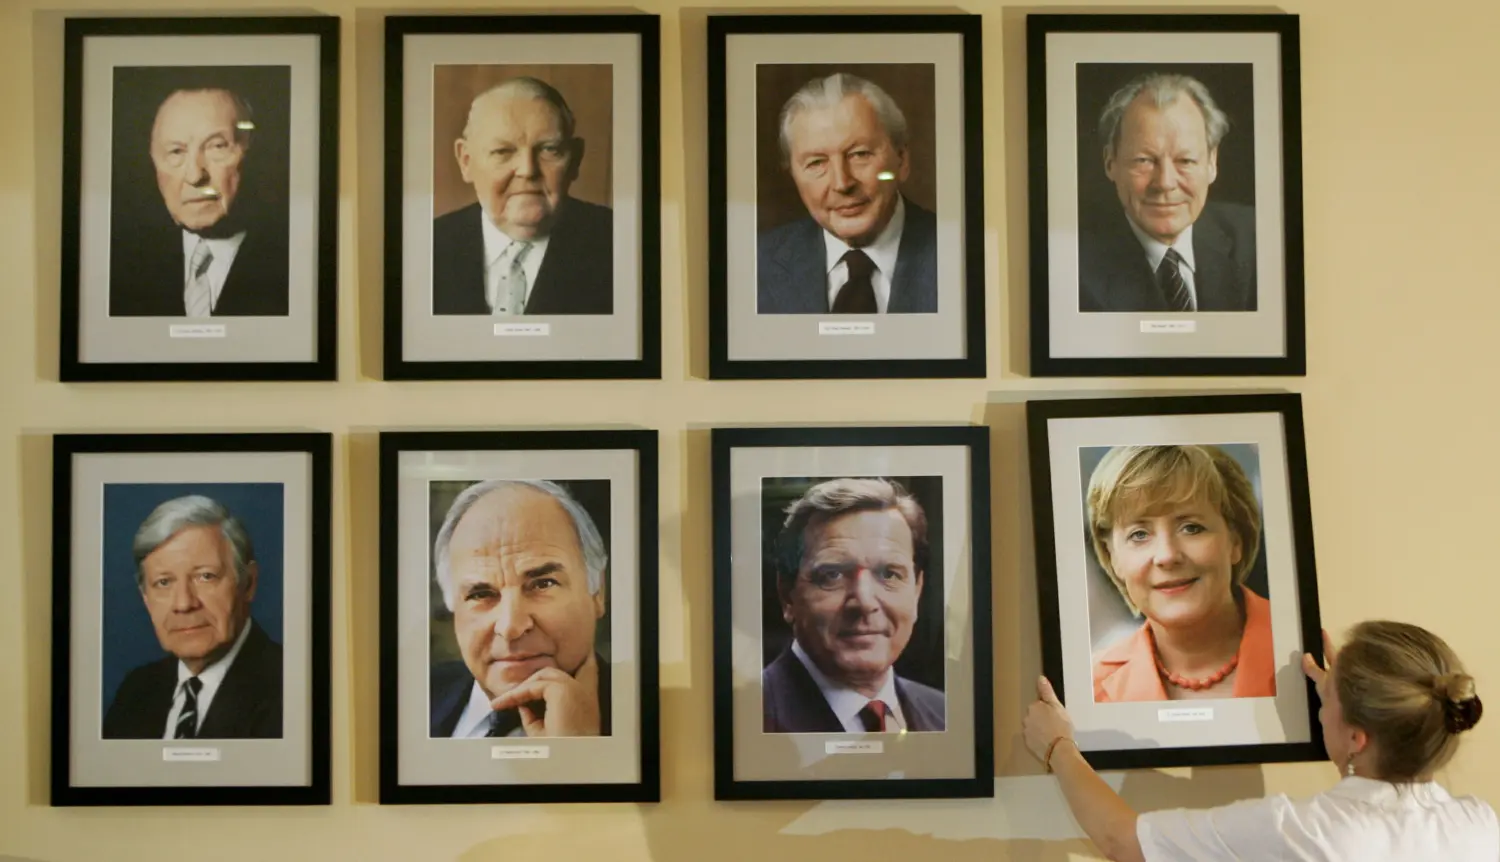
(523, 214)
(518, 606)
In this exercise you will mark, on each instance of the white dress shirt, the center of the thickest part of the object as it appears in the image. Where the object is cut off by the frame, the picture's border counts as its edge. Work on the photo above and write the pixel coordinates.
(496, 243)
(882, 252)
(223, 251)
(1358, 820)
(212, 677)
(846, 702)
(474, 721)
(1156, 250)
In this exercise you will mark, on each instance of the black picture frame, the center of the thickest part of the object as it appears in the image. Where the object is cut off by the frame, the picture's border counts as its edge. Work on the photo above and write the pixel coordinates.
(1288, 408)
(641, 442)
(322, 364)
(398, 364)
(318, 790)
(1049, 358)
(974, 440)
(969, 168)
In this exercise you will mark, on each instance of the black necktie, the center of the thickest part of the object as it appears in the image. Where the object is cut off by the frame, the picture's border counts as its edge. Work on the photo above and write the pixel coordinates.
(187, 722)
(1169, 280)
(857, 296)
(503, 722)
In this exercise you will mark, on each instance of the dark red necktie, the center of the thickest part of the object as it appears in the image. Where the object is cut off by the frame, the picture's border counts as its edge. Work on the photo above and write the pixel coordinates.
(857, 296)
(873, 715)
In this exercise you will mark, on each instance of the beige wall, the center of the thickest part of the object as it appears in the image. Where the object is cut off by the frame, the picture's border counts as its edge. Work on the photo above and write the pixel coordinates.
(1402, 408)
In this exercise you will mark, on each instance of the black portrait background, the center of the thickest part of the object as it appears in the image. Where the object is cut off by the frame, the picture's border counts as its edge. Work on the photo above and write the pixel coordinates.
(923, 659)
(1232, 86)
(136, 208)
(591, 494)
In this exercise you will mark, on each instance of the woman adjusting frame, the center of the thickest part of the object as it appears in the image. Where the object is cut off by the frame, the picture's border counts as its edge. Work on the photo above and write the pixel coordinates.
(1177, 529)
(1393, 706)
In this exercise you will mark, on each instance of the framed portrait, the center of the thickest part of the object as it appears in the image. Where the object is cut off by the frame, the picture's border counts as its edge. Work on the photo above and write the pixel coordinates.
(1166, 195)
(200, 199)
(190, 613)
(1176, 577)
(851, 613)
(518, 654)
(523, 195)
(846, 196)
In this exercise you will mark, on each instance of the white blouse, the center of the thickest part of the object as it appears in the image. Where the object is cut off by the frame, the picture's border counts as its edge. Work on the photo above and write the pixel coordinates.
(1359, 819)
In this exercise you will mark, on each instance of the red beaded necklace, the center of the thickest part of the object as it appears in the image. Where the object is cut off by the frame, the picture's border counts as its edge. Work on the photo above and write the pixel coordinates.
(1209, 681)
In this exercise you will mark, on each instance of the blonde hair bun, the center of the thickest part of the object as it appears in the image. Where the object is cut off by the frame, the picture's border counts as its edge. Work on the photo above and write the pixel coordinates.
(1461, 705)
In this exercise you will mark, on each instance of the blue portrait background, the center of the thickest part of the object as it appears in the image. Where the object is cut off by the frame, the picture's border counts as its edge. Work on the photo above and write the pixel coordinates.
(128, 637)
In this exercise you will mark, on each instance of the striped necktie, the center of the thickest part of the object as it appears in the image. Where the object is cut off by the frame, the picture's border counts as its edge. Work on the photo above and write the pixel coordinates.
(187, 722)
(198, 296)
(1173, 286)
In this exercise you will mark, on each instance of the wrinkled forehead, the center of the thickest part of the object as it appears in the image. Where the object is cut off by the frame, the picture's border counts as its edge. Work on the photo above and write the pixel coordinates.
(852, 116)
(513, 518)
(197, 113)
(1181, 115)
(503, 115)
(866, 531)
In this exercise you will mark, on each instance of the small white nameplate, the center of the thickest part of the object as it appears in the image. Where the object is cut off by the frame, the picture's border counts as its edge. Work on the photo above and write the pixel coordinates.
(520, 752)
(851, 327)
(855, 748)
(1156, 327)
(533, 329)
(174, 754)
(1186, 713)
(197, 330)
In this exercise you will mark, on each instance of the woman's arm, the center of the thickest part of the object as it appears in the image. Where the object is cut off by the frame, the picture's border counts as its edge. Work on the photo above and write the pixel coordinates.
(1105, 817)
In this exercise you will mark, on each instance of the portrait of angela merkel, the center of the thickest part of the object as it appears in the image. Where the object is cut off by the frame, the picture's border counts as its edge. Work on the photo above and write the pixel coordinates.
(1177, 530)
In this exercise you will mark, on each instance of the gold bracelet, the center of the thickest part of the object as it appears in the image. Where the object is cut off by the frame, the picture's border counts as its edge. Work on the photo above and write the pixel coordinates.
(1047, 761)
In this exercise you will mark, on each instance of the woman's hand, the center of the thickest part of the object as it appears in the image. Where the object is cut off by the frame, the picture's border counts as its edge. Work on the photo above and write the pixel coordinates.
(1320, 675)
(1045, 720)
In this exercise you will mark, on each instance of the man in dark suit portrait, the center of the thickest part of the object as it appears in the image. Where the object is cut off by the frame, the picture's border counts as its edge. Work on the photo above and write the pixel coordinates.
(526, 246)
(195, 567)
(850, 559)
(1169, 248)
(521, 565)
(217, 249)
(863, 248)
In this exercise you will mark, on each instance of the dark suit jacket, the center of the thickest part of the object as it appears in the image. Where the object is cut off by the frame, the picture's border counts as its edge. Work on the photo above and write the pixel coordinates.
(791, 268)
(577, 275)
(246, 706)
(451, 684)
(793, 703)
(147, 269)
(1114, 275)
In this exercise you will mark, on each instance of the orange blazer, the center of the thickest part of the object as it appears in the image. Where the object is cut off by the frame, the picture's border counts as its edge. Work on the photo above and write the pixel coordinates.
(1127, 670)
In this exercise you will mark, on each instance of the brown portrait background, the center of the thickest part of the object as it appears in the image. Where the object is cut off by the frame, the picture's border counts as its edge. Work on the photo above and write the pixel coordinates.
(911, 85)
(588, 90)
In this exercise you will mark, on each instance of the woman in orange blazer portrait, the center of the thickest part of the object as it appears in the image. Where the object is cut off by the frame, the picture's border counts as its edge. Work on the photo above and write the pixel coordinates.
(1177, 529)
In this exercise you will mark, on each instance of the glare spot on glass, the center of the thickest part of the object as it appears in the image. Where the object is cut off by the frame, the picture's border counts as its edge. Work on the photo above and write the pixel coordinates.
(244, 125)
(885, 175)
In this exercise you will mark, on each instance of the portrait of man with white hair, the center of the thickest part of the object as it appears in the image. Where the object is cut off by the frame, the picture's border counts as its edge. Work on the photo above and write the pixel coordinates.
(521, 565)
(527, 245)
(858, 243)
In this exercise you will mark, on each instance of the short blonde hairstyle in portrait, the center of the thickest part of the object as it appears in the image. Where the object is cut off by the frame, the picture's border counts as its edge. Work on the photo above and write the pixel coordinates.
(1148, 479)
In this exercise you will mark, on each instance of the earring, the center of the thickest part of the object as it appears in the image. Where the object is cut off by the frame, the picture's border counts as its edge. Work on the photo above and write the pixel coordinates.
(1349, 768)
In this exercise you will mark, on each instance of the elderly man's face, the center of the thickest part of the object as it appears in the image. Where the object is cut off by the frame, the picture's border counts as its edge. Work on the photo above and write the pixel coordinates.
(196, 602)
(855, 598)
(1163, 166)
(520, 162)
(198, 152)
(521, 597)
(838, 156)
